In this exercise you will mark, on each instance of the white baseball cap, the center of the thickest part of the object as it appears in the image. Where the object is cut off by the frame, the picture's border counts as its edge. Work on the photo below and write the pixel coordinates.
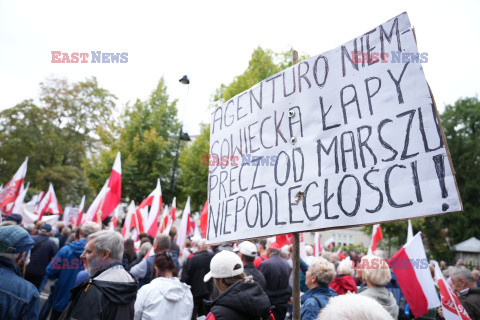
(223, 264)
(247, 248)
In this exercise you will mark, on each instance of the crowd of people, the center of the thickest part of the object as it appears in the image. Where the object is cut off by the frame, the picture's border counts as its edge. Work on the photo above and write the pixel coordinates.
(96, 274)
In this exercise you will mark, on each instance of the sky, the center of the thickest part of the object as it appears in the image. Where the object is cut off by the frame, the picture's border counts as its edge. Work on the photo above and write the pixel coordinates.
(212, 41)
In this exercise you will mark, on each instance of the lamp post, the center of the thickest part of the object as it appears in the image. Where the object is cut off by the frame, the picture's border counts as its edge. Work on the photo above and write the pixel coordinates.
(181, 136)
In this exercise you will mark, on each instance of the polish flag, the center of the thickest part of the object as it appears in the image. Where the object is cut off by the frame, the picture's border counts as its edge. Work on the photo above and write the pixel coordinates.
(376, 237)
(129, 221)
(452, 308)
(317, 245)
(196, 233)
(10, 192)
(49, 204)
(164, 219)
(112, 198)
(91, 214)
(410, 265)
(154, 201)
(80, 212)
(185, 225)
(204, 220)
(18, 207)
(328, 243)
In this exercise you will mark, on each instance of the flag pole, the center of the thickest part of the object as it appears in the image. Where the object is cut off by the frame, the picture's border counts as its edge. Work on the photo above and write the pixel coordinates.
(296, 251)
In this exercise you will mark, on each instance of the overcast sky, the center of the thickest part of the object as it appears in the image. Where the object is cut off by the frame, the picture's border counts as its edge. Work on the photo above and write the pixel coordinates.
(212, 41)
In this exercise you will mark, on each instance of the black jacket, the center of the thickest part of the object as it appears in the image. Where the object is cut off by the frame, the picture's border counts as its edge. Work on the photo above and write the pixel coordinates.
(470, 300)
(42, 252)
(102, 300)
(277, 274)
(241, 301)
(258, 277)
(195, 270)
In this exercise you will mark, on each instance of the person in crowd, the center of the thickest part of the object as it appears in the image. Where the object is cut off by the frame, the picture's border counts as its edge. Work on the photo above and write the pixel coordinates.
(375, 273)
(277, 273)
(19, 299)
(40, 256)
(15, 217)
(143, 270)
(165, 294)
(64, 234)
(354, 258)
(262, 250)
(353, 306)
(173, 240)
(335, 259)
(319, 275)
(195, 270)
(464, 283)
(476, 274)
(65, 266)
(460, 263)
(110, 291)
(443, 265)
(309, 252)
(343, 282)
(129, 254)
(144, 248)
(247, 252)
(239, 298)
(186, 251)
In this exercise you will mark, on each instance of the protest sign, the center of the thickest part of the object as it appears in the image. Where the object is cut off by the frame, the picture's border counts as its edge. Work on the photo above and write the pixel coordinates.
(348, 137)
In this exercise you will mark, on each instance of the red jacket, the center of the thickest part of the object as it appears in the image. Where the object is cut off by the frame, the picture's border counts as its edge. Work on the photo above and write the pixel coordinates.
(343, 283)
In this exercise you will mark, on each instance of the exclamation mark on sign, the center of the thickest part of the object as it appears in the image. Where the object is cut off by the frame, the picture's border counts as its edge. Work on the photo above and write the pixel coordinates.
(440, 169)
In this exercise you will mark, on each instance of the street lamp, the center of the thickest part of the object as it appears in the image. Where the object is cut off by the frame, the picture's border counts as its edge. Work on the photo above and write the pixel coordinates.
(181, 136)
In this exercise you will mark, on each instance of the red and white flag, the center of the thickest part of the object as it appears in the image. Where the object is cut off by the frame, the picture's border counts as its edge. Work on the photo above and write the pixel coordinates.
(112, 198)
(150, 219)
(10, 192)
(317, 245)
(328, 243)
(409, 231)
(91, 214)
(164, 219)
(204, 220)
(129, 221)
(410, 265)
(18, 207)
(114, 221)
(49, 204)
(80, 212)
(187, 225)
(376, 237)
(452, 308)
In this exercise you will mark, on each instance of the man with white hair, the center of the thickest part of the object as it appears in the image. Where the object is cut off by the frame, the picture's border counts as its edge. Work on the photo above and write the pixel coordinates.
(143, 270)
(464, 283)
(195, 270)
(110, 291)
(65, 267)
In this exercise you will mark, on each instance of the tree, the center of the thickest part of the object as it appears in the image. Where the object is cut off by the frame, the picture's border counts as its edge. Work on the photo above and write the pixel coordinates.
(194, 175)
(56, 135)
(147, 137)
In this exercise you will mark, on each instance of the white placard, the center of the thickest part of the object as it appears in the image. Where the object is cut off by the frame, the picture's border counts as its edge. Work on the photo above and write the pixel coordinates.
(333, 141)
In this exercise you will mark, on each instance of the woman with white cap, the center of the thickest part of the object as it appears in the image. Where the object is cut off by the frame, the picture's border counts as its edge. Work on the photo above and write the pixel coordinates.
(240, 298)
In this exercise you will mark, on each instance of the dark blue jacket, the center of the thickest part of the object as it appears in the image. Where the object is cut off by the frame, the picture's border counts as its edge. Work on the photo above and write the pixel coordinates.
(277, 274)
(42, 252)
(315, 300)
(65, 266)
(19, 298)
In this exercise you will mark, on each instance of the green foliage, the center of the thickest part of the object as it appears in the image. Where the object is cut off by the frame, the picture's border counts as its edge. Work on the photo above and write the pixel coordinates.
(56, 136)
(263, 64)
(194, 175)
(148, 133)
